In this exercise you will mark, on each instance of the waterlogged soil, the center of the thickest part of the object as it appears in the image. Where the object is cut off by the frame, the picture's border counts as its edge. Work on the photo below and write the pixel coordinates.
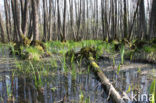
(133, 78)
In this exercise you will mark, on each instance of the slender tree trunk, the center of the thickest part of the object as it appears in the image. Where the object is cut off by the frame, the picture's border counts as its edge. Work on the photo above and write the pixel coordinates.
(24, 13)
(2, 30)
(58, 20)
(63, 39)
(106, 21)
(87, 19)
(143, 28)
(97, 19)
(7, 18)
(45, 21)
(18, 20)
(125, 20)
(152, 29)
(50, 28)
(30, 28)
(35, 20)
(71, 19)
(15, 35)
(102, 19)
(134, 18)
(10, 20)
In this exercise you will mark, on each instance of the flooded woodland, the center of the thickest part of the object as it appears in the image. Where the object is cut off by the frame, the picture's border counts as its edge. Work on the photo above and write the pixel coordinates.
(77, 51)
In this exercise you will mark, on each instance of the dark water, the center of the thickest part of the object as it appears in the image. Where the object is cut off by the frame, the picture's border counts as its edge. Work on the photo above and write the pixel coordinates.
(54, 89)
(65, 88)
(61, 88)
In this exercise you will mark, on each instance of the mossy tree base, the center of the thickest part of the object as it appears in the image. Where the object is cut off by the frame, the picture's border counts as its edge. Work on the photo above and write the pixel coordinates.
(28, 49)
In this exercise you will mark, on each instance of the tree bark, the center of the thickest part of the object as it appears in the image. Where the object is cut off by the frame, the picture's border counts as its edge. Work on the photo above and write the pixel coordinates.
(50, 26)
(2, 30)
(102, 19)
(35, 20)
(134, 18)
(15, 35)
(45, 21)
(58, 20)
(25, 16)
(152, 29)
(7, 18)
(18, 20)
(143, 28)
(125, 20)
(63, 39)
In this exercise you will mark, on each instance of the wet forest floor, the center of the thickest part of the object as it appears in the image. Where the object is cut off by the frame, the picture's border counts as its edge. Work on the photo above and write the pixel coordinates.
(56, 79)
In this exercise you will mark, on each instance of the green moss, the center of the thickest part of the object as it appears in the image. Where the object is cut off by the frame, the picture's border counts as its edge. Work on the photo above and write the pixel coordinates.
(87, 51)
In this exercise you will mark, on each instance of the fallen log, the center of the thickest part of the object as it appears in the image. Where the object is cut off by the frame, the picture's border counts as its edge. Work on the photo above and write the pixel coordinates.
(111, 91)
(89, 53)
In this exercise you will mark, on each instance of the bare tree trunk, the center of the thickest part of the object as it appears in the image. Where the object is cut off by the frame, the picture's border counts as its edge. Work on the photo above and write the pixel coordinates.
(24, 7)
(135, 14)
(50, 28)
(63, 39)
(125, 20)
(71, 19)
(102, 19)
(10, 20)
(7, 18)
(152, 29)
(106, 21)
(143, 28)
(15, 35)
(115, 19)
(45, 21)
(78, 23)
(83, 21)
(2, 30)
(97, 19)
(87, 19)
(58, 20)
(54, 20)
(18, 20)
(35, 20)
(30, 28)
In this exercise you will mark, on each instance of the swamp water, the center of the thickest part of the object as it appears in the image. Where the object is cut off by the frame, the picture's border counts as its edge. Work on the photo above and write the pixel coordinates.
(83, 88)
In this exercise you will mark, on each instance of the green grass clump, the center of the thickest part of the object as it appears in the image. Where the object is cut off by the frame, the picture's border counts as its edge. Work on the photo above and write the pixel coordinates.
(33, 53)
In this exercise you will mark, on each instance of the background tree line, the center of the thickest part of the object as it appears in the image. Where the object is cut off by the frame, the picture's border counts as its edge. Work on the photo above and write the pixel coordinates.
(47, 20)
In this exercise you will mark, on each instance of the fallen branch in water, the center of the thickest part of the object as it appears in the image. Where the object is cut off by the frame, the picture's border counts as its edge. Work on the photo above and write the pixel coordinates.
(112, 93)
